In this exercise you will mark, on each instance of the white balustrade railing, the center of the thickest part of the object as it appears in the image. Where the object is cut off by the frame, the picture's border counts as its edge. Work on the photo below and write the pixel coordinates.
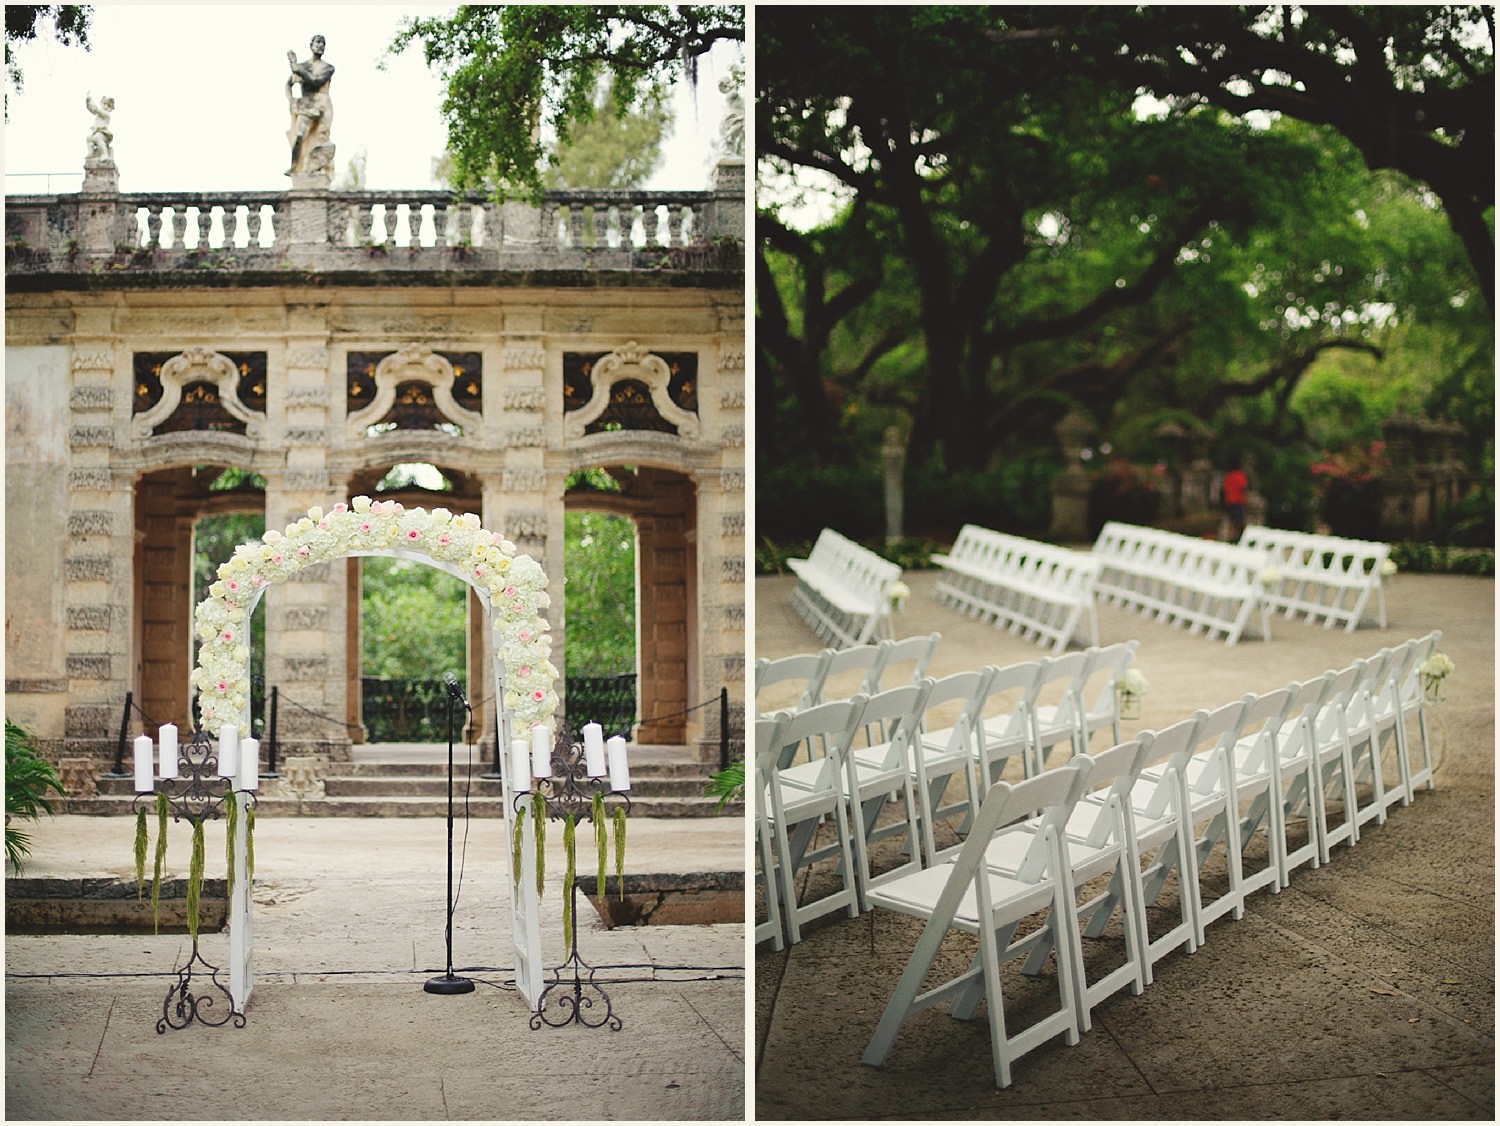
(186, 223)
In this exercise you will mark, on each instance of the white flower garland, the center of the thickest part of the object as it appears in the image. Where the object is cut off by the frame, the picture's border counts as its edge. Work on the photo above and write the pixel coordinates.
(513, 586)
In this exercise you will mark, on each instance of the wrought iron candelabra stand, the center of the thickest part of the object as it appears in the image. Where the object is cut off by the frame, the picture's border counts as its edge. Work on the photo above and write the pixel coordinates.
(570, 793)
(196, 795)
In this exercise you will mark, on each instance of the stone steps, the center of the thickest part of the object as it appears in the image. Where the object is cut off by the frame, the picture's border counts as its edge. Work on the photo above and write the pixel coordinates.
(420, 789)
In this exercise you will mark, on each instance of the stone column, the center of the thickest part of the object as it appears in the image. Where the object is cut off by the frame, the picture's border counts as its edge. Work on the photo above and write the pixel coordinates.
(893, 458)
(1070, 489)
(516, 503)
(306, 627)
(99, 569)
(725, 490)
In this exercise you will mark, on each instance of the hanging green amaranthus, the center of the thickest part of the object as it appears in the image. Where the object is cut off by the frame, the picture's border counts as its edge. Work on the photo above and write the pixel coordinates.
(161, 860)
(250, 843)
(569, 873)
(517, 839)
(601, 841)
(195, 879)
(141, 841)
(539, 827)
(620, 849)
(231, 823)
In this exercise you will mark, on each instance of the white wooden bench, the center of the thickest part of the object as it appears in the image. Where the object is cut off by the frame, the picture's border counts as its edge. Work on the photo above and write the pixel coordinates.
(1208, 587)
(1322, 577)
(843, 590)
(1038, 591)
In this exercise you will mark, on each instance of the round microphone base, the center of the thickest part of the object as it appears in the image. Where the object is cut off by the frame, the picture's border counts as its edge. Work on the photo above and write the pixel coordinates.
(447, 984)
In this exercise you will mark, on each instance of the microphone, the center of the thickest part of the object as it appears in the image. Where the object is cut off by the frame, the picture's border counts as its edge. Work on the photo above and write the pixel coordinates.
(453, 689)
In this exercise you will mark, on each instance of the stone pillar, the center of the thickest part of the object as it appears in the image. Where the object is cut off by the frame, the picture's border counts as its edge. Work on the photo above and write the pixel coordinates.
(102, 619)
(1070, 489)
(306, 617)
(516, 503)
(721, 597)
(727, 182)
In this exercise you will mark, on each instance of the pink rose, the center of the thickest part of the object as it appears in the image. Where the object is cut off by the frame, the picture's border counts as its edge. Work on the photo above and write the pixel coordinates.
(228, 635)
(413, 534)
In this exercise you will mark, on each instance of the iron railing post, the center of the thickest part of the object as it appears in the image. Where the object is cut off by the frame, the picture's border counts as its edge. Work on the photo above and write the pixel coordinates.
(124, 733)
(271, 733)
(724, 728)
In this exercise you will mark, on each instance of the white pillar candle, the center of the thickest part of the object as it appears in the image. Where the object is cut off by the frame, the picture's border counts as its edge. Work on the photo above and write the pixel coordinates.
(229, 746)
(145, 780)
(619, 769)
(541, 752)
(249, 776)
(593, 750)
(168, 735)
(520, 766)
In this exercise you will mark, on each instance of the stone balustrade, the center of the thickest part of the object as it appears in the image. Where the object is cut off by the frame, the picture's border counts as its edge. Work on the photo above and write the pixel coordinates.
(89, 232)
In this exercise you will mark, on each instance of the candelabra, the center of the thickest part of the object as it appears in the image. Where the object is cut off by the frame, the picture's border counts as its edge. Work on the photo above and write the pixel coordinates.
(197, 779)
(568, 777)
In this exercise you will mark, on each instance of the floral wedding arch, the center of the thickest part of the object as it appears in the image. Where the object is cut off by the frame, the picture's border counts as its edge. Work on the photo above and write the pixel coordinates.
(512, 588)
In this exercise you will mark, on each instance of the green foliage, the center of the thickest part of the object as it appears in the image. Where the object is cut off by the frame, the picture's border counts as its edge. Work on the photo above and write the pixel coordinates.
(728, 785)
(29, 779)
(1470, 522)
(414, 618)
(24, 22)
(515, 70)
(599, 561)
(1437, 559)
(613, 150)
(1126, 492)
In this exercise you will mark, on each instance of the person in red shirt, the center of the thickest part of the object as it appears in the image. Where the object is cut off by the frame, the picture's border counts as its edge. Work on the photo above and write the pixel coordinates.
(1235, 490)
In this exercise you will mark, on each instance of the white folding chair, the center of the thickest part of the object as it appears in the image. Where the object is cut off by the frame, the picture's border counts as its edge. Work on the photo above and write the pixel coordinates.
(1056, 716)
(1335, 764)
(878, 770)
(1004, 732)
(1159, 836)
(805, 669)
(1299, 779)
(1412, 701)
(940, 753)
(865, 660)
(1256, 772)
(906, 658)
(766, 873)
(801, 797)
(1095, 841)
(1362, 733)
(1099, 692)
(1209, 801)
(963, 895)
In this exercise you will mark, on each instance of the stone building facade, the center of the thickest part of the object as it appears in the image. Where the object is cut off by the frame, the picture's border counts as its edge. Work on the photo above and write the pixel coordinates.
(318, 338)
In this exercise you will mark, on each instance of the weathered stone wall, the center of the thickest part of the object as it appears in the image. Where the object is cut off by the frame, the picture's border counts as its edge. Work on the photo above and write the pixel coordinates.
(97, 531)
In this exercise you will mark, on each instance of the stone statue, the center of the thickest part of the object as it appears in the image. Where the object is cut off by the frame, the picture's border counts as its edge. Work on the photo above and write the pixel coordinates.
(311, 129)
(100, 140)
(732, 127)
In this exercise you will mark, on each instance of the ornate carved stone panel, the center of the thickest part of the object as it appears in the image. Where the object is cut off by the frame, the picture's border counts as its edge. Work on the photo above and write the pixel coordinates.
(199, 389)
(630, 389)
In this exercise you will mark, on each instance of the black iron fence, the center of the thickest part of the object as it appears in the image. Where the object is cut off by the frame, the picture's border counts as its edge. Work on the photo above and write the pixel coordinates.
(608, 701)
(404, 710)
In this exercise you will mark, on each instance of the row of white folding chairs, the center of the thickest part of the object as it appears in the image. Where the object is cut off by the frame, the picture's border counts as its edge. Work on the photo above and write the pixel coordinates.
(888, 746)
(877, 660)
(1139, 813)
(843, 589)
(1316, 576)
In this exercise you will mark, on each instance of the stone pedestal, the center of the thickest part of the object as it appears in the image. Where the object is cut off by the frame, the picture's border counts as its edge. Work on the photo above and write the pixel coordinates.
(1070, 489)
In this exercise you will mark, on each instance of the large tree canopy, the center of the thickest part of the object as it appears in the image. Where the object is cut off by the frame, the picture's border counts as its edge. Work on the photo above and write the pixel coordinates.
(24, 22)
(513, 69)
(1022, 233)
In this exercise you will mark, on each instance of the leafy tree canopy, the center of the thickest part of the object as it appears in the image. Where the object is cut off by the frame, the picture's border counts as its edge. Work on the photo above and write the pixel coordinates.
(24, 22)
(513, 70)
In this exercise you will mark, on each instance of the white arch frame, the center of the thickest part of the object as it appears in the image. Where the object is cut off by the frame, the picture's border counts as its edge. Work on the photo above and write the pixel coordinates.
(223, 622)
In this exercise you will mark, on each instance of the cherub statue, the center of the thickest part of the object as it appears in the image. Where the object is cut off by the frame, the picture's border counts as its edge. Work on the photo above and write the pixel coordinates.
(100, 139)
(312, 110)
(732, 127)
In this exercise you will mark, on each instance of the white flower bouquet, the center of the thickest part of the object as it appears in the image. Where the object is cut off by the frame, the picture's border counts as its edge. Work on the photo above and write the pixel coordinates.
(1133, 685)
(1433, 672)
(898, 594)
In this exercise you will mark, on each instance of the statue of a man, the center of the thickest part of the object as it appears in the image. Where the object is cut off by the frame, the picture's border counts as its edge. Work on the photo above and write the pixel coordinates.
(311, 110)
(100, 137)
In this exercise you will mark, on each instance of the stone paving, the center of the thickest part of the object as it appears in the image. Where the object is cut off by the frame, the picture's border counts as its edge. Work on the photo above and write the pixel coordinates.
(1365, 990)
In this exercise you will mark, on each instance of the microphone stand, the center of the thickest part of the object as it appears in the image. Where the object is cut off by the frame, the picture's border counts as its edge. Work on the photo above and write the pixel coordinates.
(447, 983)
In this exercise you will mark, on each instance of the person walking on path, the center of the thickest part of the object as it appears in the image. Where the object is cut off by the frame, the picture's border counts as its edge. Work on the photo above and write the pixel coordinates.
(1235, 491)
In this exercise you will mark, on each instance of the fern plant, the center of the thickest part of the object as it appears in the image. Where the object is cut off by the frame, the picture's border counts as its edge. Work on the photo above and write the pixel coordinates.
(29, 779)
